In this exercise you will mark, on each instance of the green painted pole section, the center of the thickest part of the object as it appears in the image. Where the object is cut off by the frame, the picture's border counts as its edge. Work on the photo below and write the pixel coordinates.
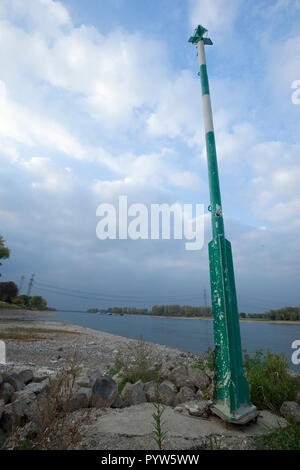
(231, 399)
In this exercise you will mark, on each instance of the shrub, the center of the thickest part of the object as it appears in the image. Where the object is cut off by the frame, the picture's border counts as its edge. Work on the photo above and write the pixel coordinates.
(280, 438)
(206, 360)
(270, 382)
(136, 364)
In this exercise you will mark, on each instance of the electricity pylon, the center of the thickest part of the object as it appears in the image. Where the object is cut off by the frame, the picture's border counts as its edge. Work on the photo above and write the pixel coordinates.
(231, 399)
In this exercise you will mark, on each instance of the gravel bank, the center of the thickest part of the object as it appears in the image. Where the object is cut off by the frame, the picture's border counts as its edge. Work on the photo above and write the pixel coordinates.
(53, 344)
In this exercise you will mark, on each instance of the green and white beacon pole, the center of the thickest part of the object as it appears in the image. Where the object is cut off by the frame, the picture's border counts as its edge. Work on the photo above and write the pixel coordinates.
(231, 400)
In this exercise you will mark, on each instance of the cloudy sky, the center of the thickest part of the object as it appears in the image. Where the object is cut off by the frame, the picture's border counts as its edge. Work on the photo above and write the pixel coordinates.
(101, 98)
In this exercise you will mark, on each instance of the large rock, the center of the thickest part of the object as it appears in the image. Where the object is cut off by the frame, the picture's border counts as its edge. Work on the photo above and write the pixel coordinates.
(38, 387)
(295, 375)
(290, 409)
(23, 395)
(6, 392)
(167, 393)
(13, 380)
(42, 374)
(199, 378)
(80, 399)
(17, 412)
(83, 381)
(25, 376)
(151, 390)
(2, 404)
(133, 394)
(184, 394)
(117, 403)
(178, 376)
(104, 392)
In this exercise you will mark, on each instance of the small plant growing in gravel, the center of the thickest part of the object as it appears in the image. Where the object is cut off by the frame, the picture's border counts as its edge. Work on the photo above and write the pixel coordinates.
(159, 435)
(270, 382)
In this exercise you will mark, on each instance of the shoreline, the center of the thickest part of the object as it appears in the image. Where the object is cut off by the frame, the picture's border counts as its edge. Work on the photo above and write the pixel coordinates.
(250, 320)
(23, 314)
(55, 344)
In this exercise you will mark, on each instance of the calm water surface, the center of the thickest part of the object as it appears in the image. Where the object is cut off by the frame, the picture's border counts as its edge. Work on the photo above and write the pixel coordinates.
(188, 335)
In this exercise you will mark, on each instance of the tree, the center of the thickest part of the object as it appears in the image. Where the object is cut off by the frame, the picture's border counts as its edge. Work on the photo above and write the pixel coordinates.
(22, 300)
(37, 302)
(8, 290)
(4, 251)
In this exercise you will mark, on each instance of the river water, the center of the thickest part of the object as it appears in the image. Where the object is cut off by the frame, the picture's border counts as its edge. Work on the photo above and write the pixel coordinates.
(188, 334)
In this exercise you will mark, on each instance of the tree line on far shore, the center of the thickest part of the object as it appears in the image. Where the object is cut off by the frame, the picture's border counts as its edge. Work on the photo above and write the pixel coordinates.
(282, 314)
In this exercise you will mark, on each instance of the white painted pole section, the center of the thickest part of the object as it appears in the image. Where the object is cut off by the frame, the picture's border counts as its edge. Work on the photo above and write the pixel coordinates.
(207, 111)
(201, 53)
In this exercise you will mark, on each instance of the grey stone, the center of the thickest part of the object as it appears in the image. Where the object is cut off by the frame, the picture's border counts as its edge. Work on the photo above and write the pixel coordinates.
(104, 392)
(8, 420)
(17, 412)
(295, 375)
(290, 409)
(184, 394)
(13, 380)
(133, 394)
(150, 388)
(2, 437)
(164, 372)
(199, 378)
(1, 379)
(26, 395)
(118, 403)
(6, 392)
(38, 387)
(199, 394)
(1, 407)
(80, 399)
(167, 393)
(178, 376)
(83, 381)
(42, 374)
(25, 376)
(210, 373)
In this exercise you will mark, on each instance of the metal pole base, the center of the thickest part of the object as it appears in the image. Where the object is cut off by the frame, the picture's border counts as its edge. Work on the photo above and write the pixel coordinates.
(243, 415)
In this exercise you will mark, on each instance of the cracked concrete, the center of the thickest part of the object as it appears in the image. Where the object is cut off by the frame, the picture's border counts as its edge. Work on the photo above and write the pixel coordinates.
(132, 427)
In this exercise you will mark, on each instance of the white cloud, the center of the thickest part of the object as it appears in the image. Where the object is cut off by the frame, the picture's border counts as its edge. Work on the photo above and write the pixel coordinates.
(217, 16)
(275, 182)
(177, 112)
(143, 171)
(46, 16)
(20, 125)
(46, 175)
(114, 76)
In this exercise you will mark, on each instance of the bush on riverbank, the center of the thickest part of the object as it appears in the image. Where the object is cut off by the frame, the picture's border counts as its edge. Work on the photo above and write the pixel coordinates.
(280, 438)
(136, 365)
(270, 382)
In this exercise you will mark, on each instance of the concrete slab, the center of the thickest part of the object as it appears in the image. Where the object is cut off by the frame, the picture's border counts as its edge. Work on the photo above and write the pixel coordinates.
(132, 428)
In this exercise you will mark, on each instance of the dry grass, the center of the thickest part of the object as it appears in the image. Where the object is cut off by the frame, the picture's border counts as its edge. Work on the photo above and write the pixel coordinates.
(52, 426)
(31, 334)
